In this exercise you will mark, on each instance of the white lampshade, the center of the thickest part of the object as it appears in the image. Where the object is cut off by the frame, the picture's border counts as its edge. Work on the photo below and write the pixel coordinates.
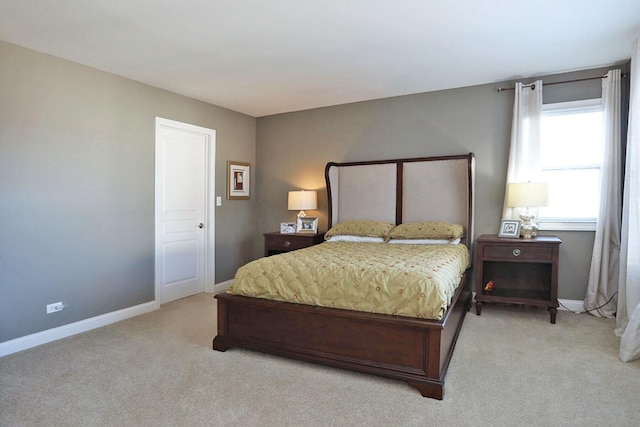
(527, 194)
(301, 200)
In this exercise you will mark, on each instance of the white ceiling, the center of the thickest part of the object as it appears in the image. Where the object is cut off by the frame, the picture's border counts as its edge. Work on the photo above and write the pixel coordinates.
(264, 57)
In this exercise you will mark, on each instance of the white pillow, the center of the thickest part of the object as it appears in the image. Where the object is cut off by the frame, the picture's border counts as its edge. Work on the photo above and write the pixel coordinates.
(357, 239)
(425, 241)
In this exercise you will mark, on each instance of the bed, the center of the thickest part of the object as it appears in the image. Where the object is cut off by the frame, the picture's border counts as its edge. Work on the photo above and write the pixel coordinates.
(400, 346)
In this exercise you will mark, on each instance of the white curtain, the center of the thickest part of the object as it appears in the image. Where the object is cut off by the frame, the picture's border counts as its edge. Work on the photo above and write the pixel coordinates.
(524, 154)
(628, 315)
(605, 259)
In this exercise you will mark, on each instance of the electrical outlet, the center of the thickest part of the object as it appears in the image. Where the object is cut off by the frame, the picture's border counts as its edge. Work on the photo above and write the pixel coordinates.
(55, 307)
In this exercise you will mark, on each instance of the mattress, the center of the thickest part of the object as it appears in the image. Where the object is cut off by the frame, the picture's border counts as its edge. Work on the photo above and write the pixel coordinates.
(405, 279)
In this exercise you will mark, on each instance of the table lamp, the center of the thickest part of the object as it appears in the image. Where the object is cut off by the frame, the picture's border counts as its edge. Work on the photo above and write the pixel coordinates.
(301, 200)
(527, 195)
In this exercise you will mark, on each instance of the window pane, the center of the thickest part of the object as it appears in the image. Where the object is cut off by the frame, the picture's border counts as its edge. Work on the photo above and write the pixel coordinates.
(569, 140)
(570, 159)
(573, 193)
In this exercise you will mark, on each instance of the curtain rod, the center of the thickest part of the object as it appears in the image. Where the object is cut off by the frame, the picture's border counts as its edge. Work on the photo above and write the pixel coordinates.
(533, 86)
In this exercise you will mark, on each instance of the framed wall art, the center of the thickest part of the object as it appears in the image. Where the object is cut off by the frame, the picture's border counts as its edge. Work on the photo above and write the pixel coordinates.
(509, 228)
(238, 180)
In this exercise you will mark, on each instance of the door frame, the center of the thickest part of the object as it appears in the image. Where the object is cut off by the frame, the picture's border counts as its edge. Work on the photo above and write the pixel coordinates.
(210, 207)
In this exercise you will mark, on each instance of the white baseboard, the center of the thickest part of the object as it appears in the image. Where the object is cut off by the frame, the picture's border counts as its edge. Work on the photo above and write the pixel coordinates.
(222, 286)
(574, 305)
(39, 338)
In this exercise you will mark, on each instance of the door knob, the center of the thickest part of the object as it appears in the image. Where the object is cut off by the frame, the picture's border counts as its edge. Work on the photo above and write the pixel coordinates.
(201, 225)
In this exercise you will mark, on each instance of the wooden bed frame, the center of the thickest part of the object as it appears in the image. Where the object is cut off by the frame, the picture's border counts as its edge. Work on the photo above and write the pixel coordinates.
(413, 350)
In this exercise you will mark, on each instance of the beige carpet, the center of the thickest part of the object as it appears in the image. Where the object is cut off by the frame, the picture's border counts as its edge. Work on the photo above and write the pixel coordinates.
(511, 367)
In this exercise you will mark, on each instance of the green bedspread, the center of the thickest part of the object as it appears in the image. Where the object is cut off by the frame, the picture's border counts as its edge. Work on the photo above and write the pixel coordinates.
(405, 280)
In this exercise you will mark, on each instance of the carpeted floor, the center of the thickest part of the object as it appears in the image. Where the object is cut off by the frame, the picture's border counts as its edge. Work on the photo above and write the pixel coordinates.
(511, 367)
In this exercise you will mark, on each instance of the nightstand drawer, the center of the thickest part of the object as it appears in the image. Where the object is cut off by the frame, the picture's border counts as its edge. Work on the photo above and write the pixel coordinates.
(286, 243)
(518, 252)
(277, 243)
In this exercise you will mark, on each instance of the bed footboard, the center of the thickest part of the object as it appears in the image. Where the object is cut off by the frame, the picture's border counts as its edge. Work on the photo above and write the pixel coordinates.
(413, 350)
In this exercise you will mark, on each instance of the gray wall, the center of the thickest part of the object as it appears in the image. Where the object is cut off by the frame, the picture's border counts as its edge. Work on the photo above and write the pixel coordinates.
(77, 189)
(77, 176)
(293, 149)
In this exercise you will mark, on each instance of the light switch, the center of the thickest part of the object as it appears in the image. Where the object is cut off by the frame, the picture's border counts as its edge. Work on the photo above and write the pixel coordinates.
(218, 200)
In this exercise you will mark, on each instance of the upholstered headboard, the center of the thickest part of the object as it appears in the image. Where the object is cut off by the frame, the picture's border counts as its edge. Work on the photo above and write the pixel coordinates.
(403, 190)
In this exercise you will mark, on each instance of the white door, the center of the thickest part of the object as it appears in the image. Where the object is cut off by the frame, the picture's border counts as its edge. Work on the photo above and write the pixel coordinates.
(184, 219)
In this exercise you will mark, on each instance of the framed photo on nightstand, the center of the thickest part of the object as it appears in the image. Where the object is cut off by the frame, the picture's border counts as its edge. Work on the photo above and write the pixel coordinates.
(287, 227)
(307, 224)
(510, 228)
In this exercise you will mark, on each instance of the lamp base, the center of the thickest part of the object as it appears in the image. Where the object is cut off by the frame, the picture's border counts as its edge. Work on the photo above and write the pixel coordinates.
(528, 229)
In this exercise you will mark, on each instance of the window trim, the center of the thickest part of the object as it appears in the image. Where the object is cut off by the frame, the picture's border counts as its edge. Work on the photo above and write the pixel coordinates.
(582, 105)
(567, 225)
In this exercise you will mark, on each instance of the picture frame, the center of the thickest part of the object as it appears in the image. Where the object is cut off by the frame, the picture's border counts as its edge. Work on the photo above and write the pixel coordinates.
(509, 228)
(287, 228)
(238, 180)
(307, 224)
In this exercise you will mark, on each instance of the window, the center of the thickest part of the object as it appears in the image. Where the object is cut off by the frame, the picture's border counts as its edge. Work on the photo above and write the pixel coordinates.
(570, 158)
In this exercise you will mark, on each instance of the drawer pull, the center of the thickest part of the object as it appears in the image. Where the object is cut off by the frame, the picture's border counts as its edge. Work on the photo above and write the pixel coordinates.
(287, 244)
(516, 252)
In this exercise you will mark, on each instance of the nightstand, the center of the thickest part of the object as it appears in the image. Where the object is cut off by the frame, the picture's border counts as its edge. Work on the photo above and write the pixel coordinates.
(523, 271)
(277, 243)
